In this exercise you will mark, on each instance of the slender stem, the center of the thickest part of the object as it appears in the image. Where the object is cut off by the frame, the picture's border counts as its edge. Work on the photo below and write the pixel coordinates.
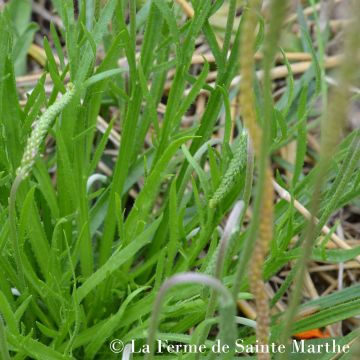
(13, 228)
(132, 10)
(262, 245)
(183, 278)
(231, 227)
(229, 27)
(261, 228)
(262, 221)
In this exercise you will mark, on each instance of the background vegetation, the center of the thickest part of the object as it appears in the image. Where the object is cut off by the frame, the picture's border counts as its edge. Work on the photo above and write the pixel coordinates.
(153, 154)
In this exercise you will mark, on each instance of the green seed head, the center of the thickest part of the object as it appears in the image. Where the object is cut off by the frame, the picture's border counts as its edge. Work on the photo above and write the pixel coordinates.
(236, 166)
(40, 130)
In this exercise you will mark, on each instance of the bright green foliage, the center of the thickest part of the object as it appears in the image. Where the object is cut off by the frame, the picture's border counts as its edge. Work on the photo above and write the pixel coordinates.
(126, 195)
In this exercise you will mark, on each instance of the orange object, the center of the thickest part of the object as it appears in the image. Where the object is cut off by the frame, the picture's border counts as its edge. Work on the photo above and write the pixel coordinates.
(312, 334)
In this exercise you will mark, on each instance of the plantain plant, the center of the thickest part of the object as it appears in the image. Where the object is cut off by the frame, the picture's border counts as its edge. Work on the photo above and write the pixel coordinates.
(140, 145)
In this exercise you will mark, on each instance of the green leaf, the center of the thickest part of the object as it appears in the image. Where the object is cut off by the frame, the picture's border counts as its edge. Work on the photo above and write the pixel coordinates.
(30, 220)
(102, 76)
(325, 311)
(4, 351)
(11, 117)
(170, 19)
(22, 308)
(35, 349)
(45, 186)
(116, 260)
(98, 32)
(20, 13)
(21, 48)
(289, 94)
(50, 333)
(190, 98)
(7, 313)
(199, 171)
(336, 256)
(328, 316)
(301, 144)
(316, 64)
(56, 40)
(110, 326)
(53, 70)
(149, 192)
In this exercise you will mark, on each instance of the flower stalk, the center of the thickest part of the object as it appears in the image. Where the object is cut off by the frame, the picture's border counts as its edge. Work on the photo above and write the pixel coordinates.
(31, 152)
(247, 104)
(261, 231)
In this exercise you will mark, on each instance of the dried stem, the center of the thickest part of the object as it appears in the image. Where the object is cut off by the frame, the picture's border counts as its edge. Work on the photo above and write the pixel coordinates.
(307, 215)
(260, 136)
(247, 103)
